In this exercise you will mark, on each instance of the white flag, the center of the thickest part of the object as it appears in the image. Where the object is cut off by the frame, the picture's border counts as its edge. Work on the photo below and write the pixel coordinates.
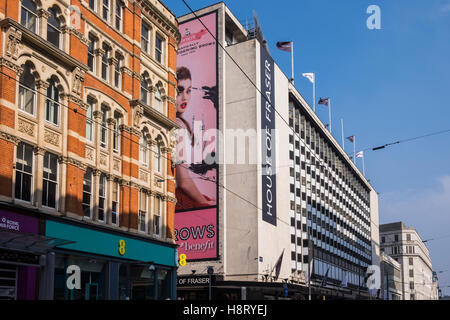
(310, 76)
(360, 155)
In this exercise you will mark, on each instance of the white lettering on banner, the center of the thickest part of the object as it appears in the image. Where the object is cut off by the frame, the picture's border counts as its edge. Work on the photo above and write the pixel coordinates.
(193, 281)
(9, 224)
(203, 247)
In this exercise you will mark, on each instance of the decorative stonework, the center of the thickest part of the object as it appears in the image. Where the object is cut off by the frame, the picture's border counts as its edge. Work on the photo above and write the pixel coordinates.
(138, 114)
(116, 165)
(14, 37)
(156, 183)
(143, 176)
(51, 137)
(26, 127)
(11, 65)
(78, 78)
(103, 159)
(127, 71)
(97, 115)
(90, 154)
(39, 151)
(171, 199)
(76, 163)
(9, 137)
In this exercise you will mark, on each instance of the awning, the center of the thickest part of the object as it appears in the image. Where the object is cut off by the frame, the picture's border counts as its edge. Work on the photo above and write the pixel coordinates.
(26, 248)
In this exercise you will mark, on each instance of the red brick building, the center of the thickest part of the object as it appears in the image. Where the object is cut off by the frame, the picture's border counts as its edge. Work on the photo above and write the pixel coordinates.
(87, 113)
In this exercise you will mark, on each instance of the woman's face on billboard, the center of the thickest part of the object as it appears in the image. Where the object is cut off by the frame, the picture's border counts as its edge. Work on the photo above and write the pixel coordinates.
(184, 95)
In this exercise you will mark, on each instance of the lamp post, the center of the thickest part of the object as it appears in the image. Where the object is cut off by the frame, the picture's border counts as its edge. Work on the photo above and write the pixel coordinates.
(210, 273)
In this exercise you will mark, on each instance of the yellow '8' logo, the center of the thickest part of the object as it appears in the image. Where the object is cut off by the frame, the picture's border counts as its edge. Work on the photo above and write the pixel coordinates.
(122, 247)
(183, 260)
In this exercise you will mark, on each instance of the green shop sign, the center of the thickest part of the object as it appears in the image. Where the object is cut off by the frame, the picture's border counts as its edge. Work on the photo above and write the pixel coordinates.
(107, 244)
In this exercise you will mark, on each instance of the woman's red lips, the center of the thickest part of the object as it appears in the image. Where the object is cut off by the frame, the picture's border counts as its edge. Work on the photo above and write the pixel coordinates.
(183, 106)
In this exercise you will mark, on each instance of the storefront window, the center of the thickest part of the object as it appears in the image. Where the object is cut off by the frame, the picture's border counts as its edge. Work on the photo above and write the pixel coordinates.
(164, 284)
(92, 278)
(142, 280)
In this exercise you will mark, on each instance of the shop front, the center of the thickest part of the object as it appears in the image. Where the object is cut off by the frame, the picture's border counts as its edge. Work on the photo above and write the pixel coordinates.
(19, 261)
(103, 264)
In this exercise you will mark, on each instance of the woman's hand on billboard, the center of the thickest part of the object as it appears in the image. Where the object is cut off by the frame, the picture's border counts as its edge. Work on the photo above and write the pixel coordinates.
(211, 94)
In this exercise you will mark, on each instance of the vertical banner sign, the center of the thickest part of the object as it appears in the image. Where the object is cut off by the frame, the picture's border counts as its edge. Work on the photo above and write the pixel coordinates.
(196, 217)
(269, 186)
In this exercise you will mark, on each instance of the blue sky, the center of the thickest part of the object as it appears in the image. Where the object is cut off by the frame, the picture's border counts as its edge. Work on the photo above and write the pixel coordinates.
(387, 85)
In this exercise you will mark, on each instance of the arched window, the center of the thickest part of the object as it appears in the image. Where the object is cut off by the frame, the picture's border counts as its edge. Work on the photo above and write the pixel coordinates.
(27, 90)
(87, 193)
(104, 128)
(117, 74)
(29, 15)
(116, 133)
(91, 52)
(159, 156)
(145, 91)
(105, 61)
(90, 119)
(52, 103)
(143, 149)
(54, 28)
(158, 100)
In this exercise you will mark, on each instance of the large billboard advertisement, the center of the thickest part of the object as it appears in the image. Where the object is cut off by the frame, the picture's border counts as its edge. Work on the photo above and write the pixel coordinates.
(196, 220)
(269, 181)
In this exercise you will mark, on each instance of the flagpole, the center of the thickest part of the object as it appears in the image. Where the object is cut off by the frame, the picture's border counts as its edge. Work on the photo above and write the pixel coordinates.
(354, 150)
(314, 93)
(292, 60)
(329, 113)
(343, 140)
(364, 169)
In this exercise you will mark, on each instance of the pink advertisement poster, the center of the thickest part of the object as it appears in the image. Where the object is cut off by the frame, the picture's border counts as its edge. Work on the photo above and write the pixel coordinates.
(196, 234)
(197, 111)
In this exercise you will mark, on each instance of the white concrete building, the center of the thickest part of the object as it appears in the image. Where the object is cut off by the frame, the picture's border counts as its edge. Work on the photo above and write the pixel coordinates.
(391, 278)
(317, 193)
(405, 245)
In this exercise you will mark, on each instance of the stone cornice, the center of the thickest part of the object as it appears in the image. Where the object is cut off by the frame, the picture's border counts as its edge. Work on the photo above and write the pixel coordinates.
(74, 162)
(9, 137)
(154, 115)
(16, 68)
